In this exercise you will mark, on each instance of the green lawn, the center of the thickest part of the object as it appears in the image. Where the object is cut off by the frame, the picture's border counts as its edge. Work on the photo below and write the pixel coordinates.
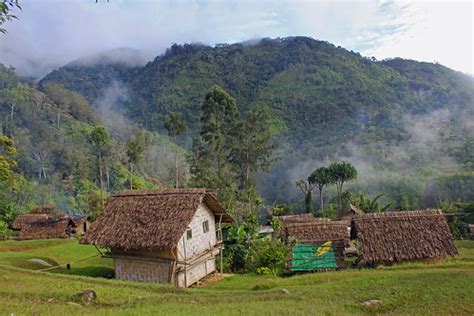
(442, 288)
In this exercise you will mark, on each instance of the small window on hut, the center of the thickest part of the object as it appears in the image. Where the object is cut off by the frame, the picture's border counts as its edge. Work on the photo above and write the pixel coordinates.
(205, 226)
(189, 233)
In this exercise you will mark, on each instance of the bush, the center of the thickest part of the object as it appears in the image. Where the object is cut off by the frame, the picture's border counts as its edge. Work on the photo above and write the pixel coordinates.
(267, 257)
(5, 232)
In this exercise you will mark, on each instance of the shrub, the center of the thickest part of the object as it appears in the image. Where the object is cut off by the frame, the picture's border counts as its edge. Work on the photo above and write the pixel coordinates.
(5, 232)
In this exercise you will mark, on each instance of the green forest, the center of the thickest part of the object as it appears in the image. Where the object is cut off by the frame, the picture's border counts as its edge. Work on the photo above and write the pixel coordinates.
(260, 124)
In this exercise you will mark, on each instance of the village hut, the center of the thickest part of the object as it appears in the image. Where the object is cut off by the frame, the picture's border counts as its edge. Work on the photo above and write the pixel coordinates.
(168, 236)
(81, 224)
(471, 229)
(46, 228)
(388, 237)
(349, 212)
(316, 245)
(22, 220)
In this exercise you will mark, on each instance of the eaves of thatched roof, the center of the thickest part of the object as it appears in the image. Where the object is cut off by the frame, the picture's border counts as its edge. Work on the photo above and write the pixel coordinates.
(401, 236)
(150, 219)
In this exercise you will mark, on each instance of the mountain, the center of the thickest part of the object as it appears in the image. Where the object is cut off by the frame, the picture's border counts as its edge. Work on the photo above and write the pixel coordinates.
(403, 123)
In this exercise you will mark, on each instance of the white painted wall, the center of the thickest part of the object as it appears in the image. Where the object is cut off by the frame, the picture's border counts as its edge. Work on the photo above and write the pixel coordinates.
(196, 272)
(201, 241)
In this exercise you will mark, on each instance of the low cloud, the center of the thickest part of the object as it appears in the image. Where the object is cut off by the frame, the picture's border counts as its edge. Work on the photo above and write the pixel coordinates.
(42, 40)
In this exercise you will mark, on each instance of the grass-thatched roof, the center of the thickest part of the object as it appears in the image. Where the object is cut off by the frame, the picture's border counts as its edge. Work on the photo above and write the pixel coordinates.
(43, 229)
(298, 218)
(22, 220)
(401, 236)
(349, 212)
(150, 219)
(318, 230)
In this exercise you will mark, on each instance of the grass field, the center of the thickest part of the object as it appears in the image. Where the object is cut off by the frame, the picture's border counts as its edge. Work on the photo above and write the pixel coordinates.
(442, 288)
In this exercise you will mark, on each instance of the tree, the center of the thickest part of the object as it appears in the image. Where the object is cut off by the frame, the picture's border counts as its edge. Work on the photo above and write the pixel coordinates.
(210, 162)
(6, 6)
(253, 149)
(340, 173)
(100, 138)
(175, 126)
(135, 147)
(367, 205)
(7, 150)
(307, 188)
(320, 178)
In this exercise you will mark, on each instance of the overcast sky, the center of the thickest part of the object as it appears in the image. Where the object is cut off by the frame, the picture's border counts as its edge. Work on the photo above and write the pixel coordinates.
(50, 33)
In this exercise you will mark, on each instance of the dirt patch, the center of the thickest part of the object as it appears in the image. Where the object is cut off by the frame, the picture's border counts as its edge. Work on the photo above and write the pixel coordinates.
(211, 279)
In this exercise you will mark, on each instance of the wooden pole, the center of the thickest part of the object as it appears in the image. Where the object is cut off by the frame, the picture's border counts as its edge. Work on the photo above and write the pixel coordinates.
(185, 262)
(222, 246)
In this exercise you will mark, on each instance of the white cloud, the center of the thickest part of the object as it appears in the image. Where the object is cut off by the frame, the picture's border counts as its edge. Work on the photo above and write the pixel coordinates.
(51, 33)
(430, 31)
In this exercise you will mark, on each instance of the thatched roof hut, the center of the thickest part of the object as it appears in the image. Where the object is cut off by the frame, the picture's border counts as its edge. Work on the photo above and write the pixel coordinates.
(311, 236)
(22, 220)
(150, 219)
(349, 212)
(401, 236)
(48, 228)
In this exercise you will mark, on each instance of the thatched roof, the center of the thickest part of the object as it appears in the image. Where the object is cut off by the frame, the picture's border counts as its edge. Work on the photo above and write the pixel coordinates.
(22, 220)
(78, 219)
(150, 219)
(349, 212)
(318, 230)
(42, 229)
(399, 236)
(298, 218)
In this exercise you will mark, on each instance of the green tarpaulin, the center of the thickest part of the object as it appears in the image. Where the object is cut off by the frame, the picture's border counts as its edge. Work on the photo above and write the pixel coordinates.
(307, 257)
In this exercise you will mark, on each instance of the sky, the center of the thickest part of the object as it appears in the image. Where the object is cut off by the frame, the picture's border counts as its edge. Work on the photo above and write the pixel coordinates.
(51, 33)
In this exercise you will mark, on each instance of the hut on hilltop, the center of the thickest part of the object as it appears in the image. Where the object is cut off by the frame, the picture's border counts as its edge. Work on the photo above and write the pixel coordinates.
(389, 237)
(22, 220)
(168, 236)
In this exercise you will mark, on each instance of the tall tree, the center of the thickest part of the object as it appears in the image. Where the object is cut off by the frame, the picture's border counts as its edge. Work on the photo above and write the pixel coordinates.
(210, 161)
(321, 177)
(341, 172)
(175, 126)
(134, 148)
(253, 147)
(100, 138)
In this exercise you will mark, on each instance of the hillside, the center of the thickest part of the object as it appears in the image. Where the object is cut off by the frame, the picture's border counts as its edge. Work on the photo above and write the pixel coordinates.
(445, 287)
(57, 160)
(394, 119)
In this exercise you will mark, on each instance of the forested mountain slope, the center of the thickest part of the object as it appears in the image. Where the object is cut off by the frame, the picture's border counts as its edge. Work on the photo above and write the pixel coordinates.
(406, 125)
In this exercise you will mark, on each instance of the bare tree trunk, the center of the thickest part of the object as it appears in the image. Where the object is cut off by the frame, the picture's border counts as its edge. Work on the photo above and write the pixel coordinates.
(176, 168)
(321, 202)
(107, 176)
(101, 180)
(131, 176)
